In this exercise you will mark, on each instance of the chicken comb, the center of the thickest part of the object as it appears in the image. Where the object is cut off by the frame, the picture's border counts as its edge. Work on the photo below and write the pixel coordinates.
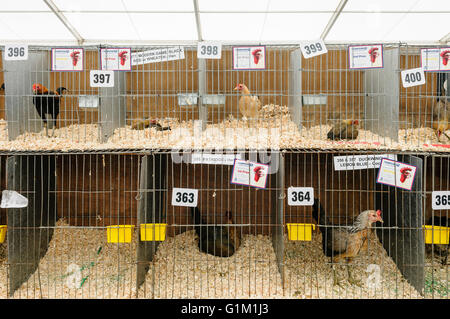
(379, 212)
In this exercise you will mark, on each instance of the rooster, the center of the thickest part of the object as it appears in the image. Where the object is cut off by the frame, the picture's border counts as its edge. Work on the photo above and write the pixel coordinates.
(47, 102)
(75, 57)
(140, 124)
(344, 130)
(345, 243)
(249, 105)
(221, 241)
(123, 57)
(445, 55)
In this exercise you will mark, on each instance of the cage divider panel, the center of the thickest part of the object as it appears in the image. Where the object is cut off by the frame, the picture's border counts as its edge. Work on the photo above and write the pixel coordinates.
(202, 109)
(295, 87)
(277, 212)
(402, 215)
(382, 96)
(30, 229)
(151, 207)
(113, 108)
(19, 77)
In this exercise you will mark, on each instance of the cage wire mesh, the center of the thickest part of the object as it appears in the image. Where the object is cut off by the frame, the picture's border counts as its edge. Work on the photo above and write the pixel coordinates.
(101, 185)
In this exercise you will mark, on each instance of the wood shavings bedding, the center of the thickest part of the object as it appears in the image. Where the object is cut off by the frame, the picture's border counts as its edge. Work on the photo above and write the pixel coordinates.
(274, 129)
(180, 270)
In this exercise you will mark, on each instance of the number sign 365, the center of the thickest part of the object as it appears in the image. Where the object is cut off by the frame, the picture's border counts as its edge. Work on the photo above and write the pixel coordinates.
(184, 197)
(15, 52)
(100, 78)
(440, 200)
(300, 196)
(313, 48)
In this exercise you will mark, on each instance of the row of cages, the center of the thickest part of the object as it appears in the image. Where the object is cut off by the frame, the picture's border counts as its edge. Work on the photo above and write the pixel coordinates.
(368, 96)
(241, 224)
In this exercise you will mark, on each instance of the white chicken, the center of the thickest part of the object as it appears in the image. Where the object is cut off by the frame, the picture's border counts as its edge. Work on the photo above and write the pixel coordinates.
(249, 105)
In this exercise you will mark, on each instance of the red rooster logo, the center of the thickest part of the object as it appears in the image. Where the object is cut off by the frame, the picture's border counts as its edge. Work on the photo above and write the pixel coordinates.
(405, 171)
(256, 55)
(445, 56)
(373, 54)
(258, 173)
(75, 57)
(123, 57)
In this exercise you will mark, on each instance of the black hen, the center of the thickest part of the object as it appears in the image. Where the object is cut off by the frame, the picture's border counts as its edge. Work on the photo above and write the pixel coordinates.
(222, 241)
(47, 102)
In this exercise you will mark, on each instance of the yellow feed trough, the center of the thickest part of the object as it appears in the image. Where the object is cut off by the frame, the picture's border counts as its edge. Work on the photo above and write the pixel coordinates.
(119, 233)
(436, 234)
(300, 231)
(2, 233)
(153, 232)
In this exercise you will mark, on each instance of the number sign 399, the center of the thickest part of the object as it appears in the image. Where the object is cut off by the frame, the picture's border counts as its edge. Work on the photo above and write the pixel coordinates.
(15, 52)
(300, 196)
(413, 77)
(440, 200)
(313, 48)
(184, 197)
(100, 78)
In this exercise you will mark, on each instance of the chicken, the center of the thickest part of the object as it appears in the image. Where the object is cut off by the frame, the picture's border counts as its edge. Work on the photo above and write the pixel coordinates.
(344, 243)
(345, 129)
(439, 249)
(47, 102)
(2, 87)
(140, 124)
(441, 118)
(249, 105)
(221, 241)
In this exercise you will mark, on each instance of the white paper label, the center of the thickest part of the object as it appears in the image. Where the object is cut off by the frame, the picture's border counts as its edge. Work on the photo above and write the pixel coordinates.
(313, 48)
(67, 59)
(115, 59)
(16, 52)
(440, 200)
(300, 196)
(353, 162)
(12, 199)
(157, 55)
(413, 77)
(219, 159)
(209, 50)
(365, 56)
(184, 197)
(249, 173)
(249, 58)
(100, 78)
(396, 174)
(435, 59)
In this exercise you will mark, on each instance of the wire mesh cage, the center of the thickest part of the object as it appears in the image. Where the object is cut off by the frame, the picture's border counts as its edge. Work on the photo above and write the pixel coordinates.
(125, 225)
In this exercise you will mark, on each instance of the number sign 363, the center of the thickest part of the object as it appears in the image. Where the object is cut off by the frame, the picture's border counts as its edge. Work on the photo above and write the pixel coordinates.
(184, 197)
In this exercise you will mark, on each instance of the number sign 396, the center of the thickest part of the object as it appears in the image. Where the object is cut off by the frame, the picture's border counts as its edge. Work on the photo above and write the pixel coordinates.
(300, 196)
(15, 52)
(100, 78)
(440, 200)
(184, 197)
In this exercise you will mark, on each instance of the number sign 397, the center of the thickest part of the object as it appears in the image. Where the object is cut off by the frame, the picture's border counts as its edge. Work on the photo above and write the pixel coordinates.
(184, 197)
(100, 78)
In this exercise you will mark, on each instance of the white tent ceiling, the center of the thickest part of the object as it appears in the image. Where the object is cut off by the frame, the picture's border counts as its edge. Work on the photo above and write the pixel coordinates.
(187, 21)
